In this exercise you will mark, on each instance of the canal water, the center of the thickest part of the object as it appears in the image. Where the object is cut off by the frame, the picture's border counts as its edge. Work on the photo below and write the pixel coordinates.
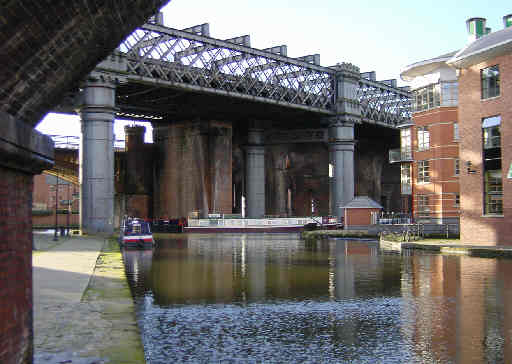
(254, 298)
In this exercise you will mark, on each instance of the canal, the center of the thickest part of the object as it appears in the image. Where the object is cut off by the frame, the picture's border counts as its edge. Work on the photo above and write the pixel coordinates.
(252, 298)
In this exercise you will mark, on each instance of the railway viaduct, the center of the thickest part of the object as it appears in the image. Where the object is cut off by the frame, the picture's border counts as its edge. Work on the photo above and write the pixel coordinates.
(231, 124)
(199, 92)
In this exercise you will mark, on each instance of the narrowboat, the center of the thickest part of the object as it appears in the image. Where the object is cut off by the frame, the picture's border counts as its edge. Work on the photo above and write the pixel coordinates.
(136, 233)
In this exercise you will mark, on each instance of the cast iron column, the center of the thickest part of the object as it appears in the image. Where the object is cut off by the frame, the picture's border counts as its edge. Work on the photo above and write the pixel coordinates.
(97, 157)
(341, 156)
(341, 136)
(255, 172)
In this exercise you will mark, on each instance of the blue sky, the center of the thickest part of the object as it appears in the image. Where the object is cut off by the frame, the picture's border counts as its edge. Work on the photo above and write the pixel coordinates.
(381, 36)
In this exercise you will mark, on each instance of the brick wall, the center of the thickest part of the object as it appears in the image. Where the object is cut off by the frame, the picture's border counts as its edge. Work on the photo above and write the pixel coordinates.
(62, 220)
(476, 228)
(302, 169)
(359, 216)
(194, 169)
(15, 267)
(23, 153)
(138, 206)
(442, 152)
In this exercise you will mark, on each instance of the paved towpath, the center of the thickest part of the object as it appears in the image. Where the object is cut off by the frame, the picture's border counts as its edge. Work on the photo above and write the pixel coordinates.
(82, 306)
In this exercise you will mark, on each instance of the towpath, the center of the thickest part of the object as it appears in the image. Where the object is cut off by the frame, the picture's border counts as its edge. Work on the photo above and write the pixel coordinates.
(83, 311)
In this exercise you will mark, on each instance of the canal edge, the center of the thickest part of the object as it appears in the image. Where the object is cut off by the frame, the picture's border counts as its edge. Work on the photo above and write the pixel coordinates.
(109, 288)
(469, 250)
(456, 249)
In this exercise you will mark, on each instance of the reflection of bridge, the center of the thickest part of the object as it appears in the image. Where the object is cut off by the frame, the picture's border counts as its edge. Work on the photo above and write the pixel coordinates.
(165, 75)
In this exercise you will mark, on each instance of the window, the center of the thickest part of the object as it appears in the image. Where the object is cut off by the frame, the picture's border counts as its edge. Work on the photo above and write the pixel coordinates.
(491, 132)
(435, 95)
(456, 131)
(423, 171)
(493, 187)
(493, 193)
(405, 144)
(405, 169)
(457, 200)
(422, 205)
(423, 138)
(449, 94)
(490, 81)
(457, 167)
(426, 98)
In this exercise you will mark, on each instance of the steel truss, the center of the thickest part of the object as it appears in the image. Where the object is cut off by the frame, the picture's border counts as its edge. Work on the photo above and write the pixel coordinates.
(192, 61)
(189, 59)
(383, 104)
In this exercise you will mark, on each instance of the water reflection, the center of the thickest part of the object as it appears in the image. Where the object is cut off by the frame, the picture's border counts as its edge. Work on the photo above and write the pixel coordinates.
(271, 297)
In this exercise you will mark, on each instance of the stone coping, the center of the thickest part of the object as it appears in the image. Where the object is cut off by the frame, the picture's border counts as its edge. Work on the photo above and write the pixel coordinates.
(315, 234)
(450, 248)
(445, 247)
(23, 148)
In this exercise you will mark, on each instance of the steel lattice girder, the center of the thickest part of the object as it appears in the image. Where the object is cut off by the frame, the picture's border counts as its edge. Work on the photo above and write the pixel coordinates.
(197, 62)
(383, 104)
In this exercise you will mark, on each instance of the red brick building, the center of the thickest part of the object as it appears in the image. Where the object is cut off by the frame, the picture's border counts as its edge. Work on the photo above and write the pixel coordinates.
(46, 192)
(485, 109)
(429, 147)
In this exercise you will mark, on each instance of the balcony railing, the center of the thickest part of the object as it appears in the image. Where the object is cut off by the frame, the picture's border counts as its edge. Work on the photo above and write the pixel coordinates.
(400, 155)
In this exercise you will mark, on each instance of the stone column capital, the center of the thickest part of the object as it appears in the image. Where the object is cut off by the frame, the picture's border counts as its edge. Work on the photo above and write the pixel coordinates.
(341, 135)
(97, 98)
(347, 70)
(338, 120)
(255, 137)
(254, 149)
(101, 80)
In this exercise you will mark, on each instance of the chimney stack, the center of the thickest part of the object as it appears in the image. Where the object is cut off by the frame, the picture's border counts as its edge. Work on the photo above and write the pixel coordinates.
(507, 21)
(476, 28)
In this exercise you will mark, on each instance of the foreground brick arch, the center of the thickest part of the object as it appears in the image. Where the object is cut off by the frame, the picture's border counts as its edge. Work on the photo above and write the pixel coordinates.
(46, 47)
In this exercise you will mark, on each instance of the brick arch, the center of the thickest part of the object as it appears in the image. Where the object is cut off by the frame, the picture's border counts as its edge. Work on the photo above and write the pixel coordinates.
(47, 46)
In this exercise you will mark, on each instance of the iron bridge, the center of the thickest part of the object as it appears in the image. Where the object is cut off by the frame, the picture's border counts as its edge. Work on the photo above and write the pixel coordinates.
(191, 61)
